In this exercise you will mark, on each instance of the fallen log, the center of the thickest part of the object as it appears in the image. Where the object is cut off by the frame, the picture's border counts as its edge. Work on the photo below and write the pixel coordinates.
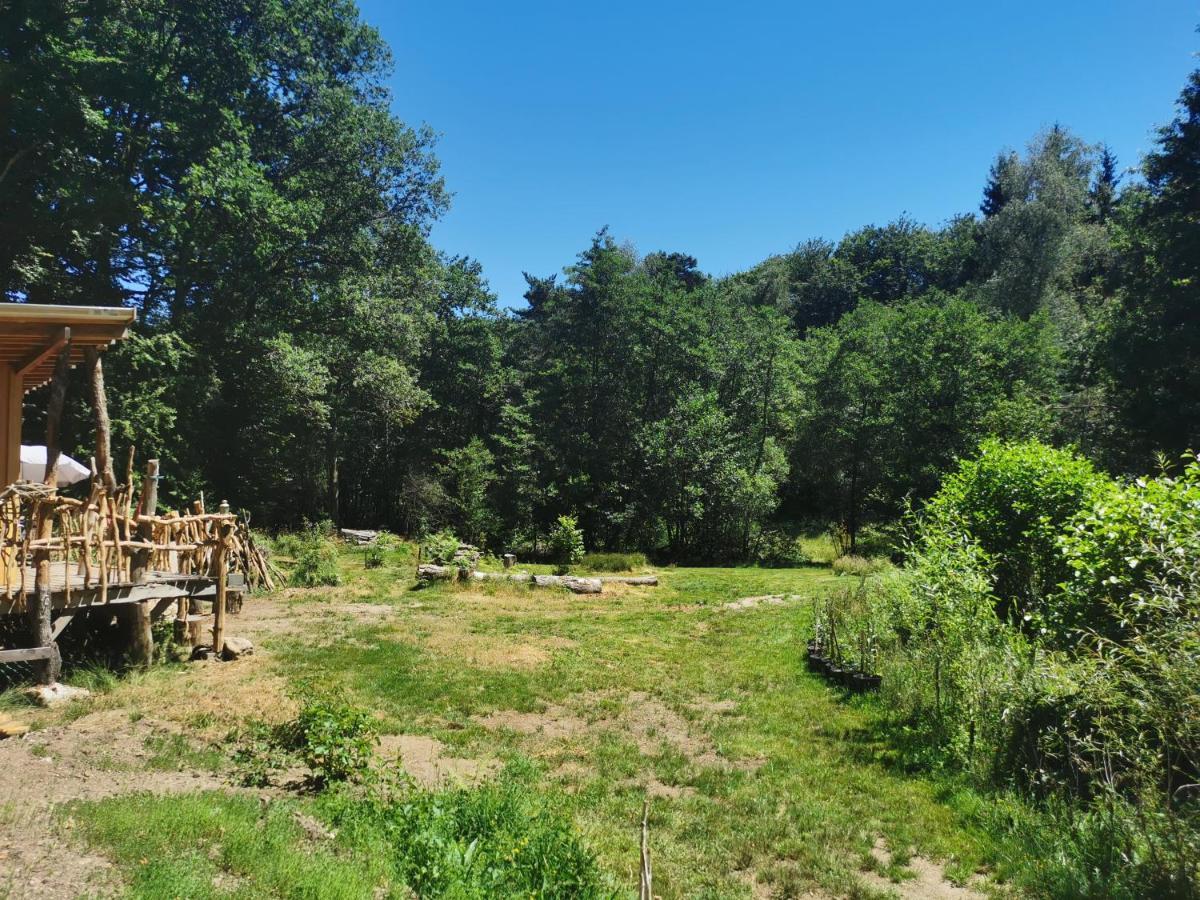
(571, 583)
(360, 536)
(650, 580)
(430, 572)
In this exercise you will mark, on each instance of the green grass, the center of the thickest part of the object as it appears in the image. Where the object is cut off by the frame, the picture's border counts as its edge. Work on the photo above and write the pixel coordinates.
(772, 775)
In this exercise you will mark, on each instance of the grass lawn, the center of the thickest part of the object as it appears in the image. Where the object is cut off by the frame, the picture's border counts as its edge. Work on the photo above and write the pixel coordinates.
(762, 780)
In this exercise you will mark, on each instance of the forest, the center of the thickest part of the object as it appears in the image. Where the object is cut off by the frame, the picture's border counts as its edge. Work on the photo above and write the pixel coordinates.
(1001, 410)
(305, 351)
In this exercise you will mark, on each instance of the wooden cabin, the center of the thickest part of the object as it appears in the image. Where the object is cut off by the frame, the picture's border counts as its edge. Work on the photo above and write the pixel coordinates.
(110, 554)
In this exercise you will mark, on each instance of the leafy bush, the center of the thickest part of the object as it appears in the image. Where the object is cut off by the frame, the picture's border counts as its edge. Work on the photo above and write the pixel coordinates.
(1014, 502)
(774, 548)
(1128, 538)
(859, 566)
(439, 547)
(566, 542)
(495, 840)
(613, 562)
(316, 564)
(335, 740)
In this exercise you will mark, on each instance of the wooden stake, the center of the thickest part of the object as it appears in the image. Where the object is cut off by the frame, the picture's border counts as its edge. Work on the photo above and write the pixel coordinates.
(646, 882)
(222, 574)
(46, 671)
(147, 506)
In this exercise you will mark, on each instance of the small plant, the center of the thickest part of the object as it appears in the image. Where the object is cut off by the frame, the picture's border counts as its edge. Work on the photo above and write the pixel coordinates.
(335, 740)
(566, 543)
(373, 557)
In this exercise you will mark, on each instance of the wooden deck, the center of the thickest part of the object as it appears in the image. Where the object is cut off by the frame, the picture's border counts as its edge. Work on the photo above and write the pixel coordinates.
(67, 592)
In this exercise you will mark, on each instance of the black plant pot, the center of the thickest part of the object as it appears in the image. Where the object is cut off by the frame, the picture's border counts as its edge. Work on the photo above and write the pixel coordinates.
(871, 682)
(834, 673)
(816, 662)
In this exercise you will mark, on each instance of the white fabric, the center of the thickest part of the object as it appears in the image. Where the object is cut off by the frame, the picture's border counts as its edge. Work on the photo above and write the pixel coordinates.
(33, 466)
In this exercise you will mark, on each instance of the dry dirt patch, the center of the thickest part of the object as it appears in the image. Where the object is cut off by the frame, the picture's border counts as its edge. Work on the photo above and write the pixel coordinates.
(764, 600)
(101, 754)
(930, 882)
(424, 759)
(646, 720)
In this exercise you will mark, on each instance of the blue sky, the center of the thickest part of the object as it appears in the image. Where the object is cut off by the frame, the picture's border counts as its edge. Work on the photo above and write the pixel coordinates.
(734, 131)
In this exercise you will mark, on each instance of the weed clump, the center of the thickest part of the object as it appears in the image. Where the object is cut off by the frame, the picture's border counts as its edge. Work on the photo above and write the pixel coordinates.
(613, 562)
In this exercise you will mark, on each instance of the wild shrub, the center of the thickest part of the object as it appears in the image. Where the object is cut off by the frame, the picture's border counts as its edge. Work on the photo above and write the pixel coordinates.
(498, 839)
(316, 564)
(775, 548)
(952, 661)
(859, 566)
(613, 562)
(1129, 538)
(335, 740)
(566, 542)
(1014, 502)
(439, 547)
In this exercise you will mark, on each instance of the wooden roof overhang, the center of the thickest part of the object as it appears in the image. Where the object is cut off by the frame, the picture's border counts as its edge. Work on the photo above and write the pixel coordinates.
(33, 335)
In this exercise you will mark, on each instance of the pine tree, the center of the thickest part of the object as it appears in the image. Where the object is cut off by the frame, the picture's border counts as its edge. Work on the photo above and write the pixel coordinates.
(995, 192)
(1103, 193)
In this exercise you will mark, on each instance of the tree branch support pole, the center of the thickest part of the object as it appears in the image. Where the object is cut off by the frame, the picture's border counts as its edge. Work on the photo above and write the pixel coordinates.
(104, 465)
(221, 564)
(135, 617)
(46, 671)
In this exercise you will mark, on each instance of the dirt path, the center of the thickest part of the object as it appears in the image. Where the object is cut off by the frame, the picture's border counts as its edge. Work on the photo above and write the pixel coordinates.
(99, 755)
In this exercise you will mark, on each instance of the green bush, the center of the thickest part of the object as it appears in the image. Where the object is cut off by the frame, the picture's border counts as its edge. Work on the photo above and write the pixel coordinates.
(774, 548)
(335, 740)
(495, 840)
(566, 542)
(1014, 502)
(439, 547)
(316, 564)
(613, 562)
(1126, 539)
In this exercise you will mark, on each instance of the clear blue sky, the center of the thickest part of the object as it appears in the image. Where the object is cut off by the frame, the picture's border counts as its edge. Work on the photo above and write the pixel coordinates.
(733, 131)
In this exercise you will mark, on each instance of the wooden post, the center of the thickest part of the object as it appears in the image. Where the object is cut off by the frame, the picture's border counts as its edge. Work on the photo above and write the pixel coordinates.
(646, 881)
(46, 671)
(134, 619)
(147, 506)
(221, 559)
(104, 464)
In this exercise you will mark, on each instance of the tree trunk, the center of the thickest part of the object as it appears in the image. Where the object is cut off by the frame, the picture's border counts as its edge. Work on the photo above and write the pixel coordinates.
(100, 415)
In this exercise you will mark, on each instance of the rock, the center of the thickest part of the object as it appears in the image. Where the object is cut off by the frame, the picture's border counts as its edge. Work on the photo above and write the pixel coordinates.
(236, 648)
(361, 537)
(54, 694)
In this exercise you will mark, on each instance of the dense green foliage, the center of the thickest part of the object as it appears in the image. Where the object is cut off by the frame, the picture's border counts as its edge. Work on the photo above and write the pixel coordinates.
(1044, 636)
(233, 170)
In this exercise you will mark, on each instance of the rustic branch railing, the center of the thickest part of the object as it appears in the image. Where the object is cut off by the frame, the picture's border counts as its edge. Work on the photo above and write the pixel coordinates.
(104, 540)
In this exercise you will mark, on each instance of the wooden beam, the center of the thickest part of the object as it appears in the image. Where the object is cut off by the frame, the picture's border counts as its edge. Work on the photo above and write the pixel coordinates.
(32, 654)
(37, 357)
